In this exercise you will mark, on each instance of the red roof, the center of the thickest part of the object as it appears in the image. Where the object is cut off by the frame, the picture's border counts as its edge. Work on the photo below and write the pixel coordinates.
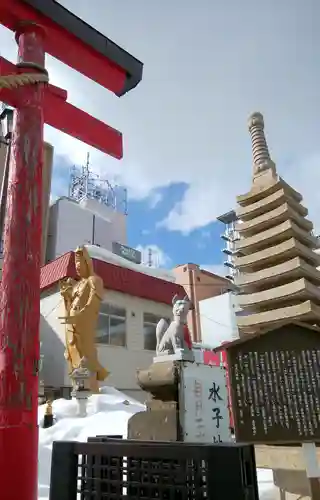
(119, 279)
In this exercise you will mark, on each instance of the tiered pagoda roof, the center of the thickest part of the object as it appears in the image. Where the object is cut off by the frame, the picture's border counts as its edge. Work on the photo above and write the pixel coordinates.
(278, 277)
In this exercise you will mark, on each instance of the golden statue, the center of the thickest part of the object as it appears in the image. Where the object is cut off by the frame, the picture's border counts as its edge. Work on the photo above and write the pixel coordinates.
(82, 301)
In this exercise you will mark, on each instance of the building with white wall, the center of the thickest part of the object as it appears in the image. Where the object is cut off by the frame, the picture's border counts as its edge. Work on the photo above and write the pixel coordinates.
(133, 303)
(199, 285)
(73, 223)
(218, 319)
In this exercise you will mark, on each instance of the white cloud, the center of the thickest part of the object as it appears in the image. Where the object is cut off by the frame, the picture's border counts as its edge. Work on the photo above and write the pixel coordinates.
(155, 199)
(154, 254)
(186, 121)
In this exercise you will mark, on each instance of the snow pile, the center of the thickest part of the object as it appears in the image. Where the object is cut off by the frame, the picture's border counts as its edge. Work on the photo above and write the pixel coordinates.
(267, 489)
(108, 413)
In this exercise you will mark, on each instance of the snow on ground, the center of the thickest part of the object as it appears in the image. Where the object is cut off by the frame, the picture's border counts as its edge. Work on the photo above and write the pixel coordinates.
(108, 413)
(267, 490)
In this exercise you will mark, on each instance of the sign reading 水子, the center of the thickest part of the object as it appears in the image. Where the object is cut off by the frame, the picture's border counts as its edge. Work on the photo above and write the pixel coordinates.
(203, 404)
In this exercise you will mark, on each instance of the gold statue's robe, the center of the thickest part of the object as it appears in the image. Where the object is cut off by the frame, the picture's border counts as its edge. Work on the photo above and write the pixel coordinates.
(82, 301)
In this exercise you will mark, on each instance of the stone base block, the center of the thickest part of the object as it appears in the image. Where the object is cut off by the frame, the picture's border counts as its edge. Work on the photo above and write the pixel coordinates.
(158, 423)
(293, 483)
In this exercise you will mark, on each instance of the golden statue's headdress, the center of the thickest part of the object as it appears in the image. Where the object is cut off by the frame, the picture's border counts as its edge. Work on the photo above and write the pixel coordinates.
(82, 253)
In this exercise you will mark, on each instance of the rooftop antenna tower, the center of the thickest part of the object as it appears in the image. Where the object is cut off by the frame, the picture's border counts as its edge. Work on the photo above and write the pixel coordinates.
(86, 184)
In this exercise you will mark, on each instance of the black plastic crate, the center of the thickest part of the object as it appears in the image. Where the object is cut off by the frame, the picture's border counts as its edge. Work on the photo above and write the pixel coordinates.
(139, 470)
(104, 467)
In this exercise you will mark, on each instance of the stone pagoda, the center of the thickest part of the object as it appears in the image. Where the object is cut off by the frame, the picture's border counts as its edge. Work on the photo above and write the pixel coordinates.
(277, 274)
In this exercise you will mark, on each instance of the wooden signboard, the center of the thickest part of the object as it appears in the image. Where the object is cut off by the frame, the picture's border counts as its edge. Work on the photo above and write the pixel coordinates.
(275, 385)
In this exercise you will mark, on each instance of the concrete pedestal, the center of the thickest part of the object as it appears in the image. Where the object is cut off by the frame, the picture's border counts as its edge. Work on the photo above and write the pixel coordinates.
(81, 398)
(160, 421)
(81, 388)
(288, 467)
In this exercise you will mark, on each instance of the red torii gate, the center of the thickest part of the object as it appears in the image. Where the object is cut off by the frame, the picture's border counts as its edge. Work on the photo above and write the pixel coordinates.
(40, 26)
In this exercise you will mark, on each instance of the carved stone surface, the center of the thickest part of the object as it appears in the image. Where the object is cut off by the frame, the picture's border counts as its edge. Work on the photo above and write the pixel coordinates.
(179, 355)
(161, 420)
(172, 338)
(261, 156)
(81, 379)
(160, 380)
(155, 425)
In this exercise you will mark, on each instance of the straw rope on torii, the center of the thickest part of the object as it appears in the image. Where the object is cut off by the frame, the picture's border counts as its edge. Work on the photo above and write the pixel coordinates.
(14, 81)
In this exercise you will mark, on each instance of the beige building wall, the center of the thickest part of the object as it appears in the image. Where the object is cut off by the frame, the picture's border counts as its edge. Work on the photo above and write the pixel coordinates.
(122, 362)
(46, 183)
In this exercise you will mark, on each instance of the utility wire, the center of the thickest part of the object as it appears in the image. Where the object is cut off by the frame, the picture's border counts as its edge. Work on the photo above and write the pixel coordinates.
(214, 321)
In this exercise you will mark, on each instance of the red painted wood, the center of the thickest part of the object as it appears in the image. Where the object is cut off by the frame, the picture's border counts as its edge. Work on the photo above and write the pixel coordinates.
(65, 47)
(20, 292)
(67, 118)
(75, 122)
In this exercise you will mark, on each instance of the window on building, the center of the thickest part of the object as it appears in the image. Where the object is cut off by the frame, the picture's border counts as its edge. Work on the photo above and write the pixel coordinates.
(111, 328)
(150, 322)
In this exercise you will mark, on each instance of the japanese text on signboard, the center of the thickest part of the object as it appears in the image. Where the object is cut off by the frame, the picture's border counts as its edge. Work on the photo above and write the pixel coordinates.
(278, 393)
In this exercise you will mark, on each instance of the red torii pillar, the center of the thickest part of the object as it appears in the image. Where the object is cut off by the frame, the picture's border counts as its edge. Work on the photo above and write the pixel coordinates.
(20, 291)
(20, 294)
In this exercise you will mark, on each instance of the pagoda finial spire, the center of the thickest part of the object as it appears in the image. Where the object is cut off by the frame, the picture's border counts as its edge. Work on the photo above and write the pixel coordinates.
(260, 151)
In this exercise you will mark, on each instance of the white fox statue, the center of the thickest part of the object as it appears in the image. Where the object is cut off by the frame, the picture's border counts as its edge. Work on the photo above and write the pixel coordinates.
(175, 337)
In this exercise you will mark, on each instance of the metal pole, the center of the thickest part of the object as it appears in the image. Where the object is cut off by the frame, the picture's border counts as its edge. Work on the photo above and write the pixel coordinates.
(20, 293)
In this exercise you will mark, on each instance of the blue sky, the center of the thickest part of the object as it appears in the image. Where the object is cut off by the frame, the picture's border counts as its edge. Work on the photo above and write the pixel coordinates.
(200, 246)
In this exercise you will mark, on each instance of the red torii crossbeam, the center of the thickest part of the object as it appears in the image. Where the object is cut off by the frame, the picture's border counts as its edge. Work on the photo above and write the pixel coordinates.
(63, 116)
(40, 26)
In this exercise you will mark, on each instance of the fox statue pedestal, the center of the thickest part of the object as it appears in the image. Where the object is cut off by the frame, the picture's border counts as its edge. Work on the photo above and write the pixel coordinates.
(189, 400)
(160, 421)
